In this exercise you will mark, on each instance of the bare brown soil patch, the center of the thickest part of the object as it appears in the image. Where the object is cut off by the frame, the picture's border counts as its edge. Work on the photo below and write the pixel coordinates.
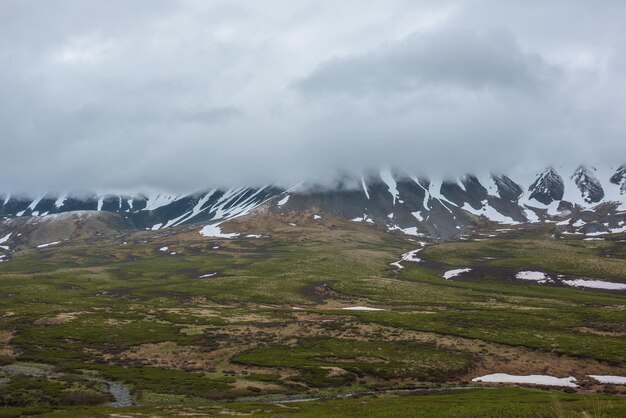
(172, 355)
(61, 318)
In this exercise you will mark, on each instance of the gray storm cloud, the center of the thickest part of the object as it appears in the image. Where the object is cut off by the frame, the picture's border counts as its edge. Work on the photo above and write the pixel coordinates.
(460, 60)
(184, 95)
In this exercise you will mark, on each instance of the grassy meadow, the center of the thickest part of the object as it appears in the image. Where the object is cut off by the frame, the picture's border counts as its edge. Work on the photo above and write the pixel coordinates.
(241, 326)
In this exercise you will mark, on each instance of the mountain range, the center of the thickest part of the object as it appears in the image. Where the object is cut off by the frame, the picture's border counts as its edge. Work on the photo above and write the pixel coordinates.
(584, 200)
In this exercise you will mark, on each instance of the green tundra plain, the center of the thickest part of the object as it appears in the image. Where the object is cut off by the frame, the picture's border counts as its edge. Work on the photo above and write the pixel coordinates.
(257, 326)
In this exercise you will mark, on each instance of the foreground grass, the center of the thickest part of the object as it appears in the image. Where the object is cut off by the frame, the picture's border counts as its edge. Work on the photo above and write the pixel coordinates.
(150, 320)
(504, 402)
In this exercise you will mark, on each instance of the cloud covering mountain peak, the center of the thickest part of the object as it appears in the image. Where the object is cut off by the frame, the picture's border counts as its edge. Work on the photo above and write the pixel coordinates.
(184, 95)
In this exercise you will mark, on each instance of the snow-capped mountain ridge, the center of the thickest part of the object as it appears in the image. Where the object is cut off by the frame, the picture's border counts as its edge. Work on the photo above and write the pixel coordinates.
(146, 211)
(398, 201)
(448, 207)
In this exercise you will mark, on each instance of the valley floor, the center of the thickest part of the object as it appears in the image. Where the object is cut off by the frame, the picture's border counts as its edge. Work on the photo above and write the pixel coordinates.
(327, 312)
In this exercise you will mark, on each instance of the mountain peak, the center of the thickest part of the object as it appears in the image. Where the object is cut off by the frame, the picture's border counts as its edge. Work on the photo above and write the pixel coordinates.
(619, 178)
(548, 187)
(588, 184)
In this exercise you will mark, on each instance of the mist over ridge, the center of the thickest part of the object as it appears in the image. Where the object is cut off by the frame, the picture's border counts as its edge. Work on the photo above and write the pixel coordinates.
(181, 96)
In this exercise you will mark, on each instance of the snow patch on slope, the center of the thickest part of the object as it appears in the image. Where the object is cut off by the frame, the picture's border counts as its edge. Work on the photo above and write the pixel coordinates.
(5, 238)
(456, 272)
(365, 187)
(284, 200)
(214, 231)
(48, 244)
(387, 177)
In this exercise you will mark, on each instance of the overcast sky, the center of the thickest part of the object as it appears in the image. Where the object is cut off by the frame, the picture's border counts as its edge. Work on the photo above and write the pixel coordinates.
(183, 95)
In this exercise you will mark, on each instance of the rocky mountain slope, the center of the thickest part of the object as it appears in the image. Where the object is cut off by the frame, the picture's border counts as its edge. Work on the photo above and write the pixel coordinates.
(583, 200)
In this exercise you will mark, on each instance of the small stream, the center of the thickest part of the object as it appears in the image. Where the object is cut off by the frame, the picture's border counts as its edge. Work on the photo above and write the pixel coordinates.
(122, 396)
(120, 393)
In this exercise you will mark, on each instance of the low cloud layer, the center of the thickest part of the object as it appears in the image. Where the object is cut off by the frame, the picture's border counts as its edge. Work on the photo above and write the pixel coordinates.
(185, 95)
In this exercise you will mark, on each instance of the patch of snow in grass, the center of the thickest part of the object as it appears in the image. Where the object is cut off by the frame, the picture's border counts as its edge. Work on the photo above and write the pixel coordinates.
(534, 379)
(361, 308)
(410, 256)
(595, 234)
(456, 272)
(365, 218)
(48, 244)
(408, 231)
(254, 236)
(156, 227)
(316, 217)
(595, 284)
(412, 231)
(214, 231)
(163, 248)
(612, 380)
(207, 275)
(536, 276)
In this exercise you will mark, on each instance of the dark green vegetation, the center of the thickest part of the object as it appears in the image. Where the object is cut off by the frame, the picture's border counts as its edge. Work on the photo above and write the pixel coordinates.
(147, 319)
(23, 390)
(564, 255)
(321, 359)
